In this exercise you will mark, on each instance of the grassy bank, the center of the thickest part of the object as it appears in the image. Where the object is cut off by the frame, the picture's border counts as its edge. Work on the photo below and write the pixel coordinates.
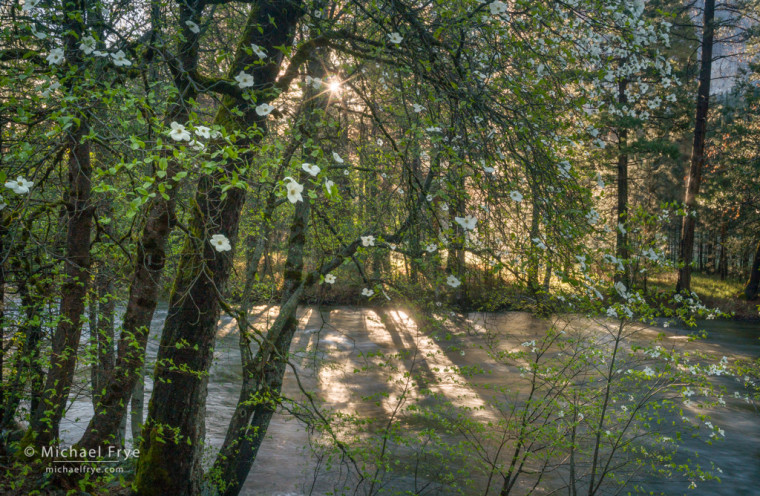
(714, 292)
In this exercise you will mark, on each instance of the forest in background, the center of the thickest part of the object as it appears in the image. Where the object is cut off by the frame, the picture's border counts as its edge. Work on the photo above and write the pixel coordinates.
(217, 156)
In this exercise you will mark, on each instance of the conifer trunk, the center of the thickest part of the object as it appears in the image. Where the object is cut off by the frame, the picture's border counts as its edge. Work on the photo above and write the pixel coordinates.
(753, 283)
(698, 150)
(621, 241)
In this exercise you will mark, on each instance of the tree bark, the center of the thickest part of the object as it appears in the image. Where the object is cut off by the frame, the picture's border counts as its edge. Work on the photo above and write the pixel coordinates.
(723, 265)
(535, 233)
(264, 372)
(26, 364)
(47, 416)
(173, 433)
(701, 254)
(3, 258)
(621, 240)
(751, 288)
(455, 260)
(102, 330)
(137, 409)
(698, 150)
(149, 264)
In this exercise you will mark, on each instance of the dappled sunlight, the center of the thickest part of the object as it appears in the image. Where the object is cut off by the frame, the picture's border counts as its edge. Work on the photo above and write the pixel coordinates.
(225, 329)
(336, 378)
(414, 358)
(446, 378)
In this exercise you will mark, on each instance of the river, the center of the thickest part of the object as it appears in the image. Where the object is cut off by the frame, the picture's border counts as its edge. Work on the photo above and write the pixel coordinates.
(346, 335)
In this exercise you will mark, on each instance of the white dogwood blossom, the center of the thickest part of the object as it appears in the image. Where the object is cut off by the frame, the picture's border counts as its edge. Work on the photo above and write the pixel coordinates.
(311, 169)
(220, 242)
(294, 190)
(20, 186)
(179, 132)
(244, 80)
(55, 57)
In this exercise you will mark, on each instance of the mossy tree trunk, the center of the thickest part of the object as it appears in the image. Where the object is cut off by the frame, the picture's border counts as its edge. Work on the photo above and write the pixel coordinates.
(174, 430)
(47, 416)
(149, 263)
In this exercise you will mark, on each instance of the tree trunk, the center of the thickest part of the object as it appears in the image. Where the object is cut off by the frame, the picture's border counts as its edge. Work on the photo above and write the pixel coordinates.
(149, 264)
(698, 150)
(547, 277)
(263, 373)
(137, 408)
(535, 233)
(26, 364)
(621, 240)
(102, 333)
(92, 324)
(723, 266)
(714, 254)
(173, 433)
(47, 416)
(455, 261)
(3, 258)
(751, 289)
(701, 254)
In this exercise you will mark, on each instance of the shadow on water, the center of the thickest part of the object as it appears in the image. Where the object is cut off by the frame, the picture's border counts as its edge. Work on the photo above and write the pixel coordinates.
(346, 336)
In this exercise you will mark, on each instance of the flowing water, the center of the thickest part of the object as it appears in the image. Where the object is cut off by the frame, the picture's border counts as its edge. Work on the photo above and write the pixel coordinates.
(346, 335)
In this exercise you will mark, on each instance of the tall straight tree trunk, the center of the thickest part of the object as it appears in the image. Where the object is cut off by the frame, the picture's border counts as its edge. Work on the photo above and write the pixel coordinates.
(723, 265)
(46, 418)
(701, 253)
(698, 150)
(149, 264)
(621, 241)
(713, 254)
(535, 233)
(753, 283)
(174, 430)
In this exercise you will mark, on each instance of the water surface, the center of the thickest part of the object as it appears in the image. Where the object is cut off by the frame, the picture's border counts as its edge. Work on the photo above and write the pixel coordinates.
(345, 335)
